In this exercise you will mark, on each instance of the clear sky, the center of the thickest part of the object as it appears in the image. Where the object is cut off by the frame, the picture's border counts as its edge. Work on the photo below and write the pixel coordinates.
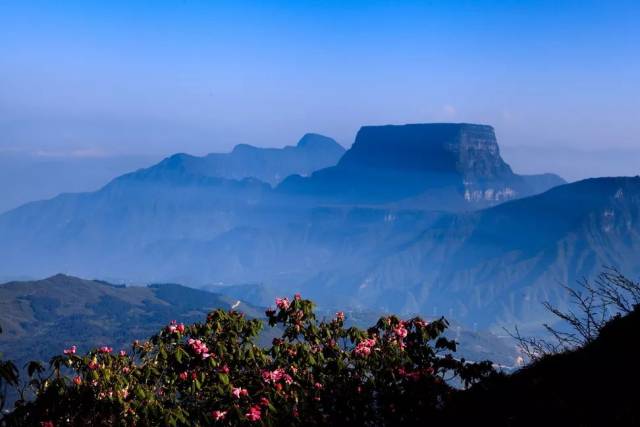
(89, 78)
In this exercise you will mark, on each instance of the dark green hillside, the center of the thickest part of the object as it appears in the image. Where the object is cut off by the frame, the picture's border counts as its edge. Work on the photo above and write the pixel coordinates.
(42, 317)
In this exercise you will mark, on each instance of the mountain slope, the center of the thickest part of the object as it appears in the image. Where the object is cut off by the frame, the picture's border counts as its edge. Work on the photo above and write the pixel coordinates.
(102, 233)
(586, 387)
(497, 265)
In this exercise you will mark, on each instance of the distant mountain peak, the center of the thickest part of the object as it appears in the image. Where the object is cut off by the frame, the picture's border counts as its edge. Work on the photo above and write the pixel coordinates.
(315, 140)
(240, 148)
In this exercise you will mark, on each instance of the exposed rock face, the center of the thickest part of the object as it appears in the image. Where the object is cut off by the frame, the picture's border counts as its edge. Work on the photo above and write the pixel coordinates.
(270, 165)
(452, 166)
(465, 149)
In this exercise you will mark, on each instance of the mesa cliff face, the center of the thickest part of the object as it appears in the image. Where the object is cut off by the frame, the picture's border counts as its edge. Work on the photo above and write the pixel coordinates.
(463, 149)
(446, 165)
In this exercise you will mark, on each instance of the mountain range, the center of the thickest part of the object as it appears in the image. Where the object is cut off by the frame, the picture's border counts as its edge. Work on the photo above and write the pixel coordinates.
(415, 218)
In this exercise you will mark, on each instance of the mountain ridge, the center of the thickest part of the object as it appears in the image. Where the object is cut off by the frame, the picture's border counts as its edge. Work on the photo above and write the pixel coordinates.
(270, 165)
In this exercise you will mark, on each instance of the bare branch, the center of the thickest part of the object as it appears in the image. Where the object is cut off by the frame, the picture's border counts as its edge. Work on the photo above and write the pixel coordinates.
(594, 303)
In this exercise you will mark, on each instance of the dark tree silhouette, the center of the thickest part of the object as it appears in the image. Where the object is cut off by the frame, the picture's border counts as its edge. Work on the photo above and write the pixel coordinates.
(8, 377)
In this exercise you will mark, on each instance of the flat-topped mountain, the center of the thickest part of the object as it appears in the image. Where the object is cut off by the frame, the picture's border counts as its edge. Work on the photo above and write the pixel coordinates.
(443, 165)
(270, 165)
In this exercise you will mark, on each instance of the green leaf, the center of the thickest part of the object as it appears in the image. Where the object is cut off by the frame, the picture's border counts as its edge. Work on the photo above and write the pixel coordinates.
(224, 378)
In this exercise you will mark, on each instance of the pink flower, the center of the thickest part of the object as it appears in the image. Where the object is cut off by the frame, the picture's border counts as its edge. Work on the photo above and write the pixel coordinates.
(123, 353)
(363, 351)
(219, 415)
(400, 331)
(174, 327)
(105, 349)
(184, 375)
(298, 297)
(71, 350)
(276, 375)
(77, 380)
(93, 365)
(125, 370)
(254, 413)
(264, 401)
(282, 303)
(200, 348)
(340, 316)
(171, 328)
(47, 424)
(318, 386)
(224, 369)
(238, 391)
(363, 348)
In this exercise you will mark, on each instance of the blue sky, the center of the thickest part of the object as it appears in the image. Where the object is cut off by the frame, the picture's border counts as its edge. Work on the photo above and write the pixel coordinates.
(87, 78)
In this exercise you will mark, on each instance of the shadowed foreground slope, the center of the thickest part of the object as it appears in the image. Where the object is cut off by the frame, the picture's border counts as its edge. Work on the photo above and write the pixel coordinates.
(591, 386)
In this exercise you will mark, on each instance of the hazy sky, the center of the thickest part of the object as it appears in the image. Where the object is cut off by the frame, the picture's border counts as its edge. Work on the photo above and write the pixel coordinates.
(85, 78)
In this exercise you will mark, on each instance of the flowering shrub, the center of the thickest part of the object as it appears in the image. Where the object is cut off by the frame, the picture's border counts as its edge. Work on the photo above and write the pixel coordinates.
(213, 373)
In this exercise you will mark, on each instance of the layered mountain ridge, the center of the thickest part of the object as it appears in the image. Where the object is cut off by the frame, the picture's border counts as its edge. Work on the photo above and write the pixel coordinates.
(411, 219)
(496, 266)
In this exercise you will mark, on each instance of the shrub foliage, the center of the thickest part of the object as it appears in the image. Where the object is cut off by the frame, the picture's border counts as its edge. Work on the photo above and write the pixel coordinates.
(214, 373)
